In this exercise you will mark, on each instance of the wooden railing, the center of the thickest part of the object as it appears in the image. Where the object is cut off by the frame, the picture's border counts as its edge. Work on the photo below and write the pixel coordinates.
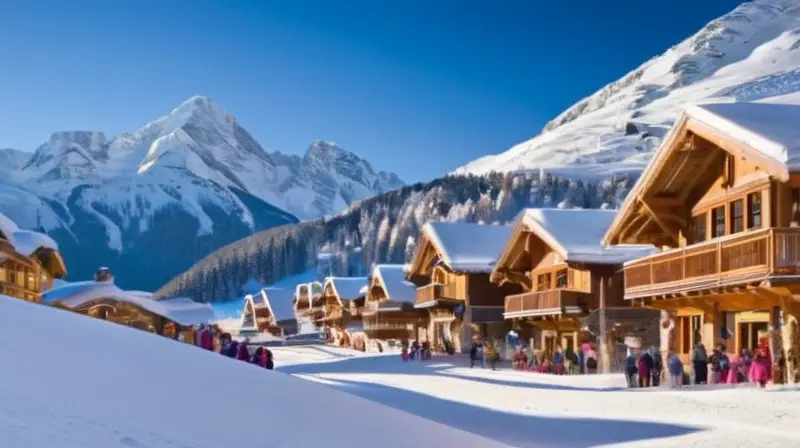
(767, 251)
(385, 326)
(436, 291)
(554, 299)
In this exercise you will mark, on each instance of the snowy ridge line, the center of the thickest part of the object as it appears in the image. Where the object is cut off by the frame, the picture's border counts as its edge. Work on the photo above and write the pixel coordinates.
(749, 54)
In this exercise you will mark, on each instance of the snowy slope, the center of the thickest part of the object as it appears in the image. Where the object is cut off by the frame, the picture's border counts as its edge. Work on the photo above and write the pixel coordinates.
(105, 385)
(194, 172)
(748, 54)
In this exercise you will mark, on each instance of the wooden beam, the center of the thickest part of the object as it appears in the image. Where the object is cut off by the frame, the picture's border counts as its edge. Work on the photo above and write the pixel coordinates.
(668, 230)
(704, 165)
(665, 201)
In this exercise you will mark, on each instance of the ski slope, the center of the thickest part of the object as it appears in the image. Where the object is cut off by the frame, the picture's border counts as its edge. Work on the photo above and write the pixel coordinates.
(69, 381)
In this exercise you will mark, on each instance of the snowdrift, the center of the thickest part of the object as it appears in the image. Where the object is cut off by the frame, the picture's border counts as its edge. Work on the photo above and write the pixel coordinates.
(71, 381)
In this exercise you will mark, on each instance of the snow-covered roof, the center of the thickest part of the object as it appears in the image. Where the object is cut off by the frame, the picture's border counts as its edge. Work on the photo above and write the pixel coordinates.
(28, 242)
(395, 285)
(467, 246)
(8, 227)
(770, 128)
(576, 234)
(346, 288)
(25, 242)
(182, 310)
(280, 302)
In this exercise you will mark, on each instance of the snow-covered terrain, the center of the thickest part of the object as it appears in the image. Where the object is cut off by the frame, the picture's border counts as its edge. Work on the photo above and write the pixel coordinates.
(533, 410)
(749, 54)
(74, 381)
(194, 172)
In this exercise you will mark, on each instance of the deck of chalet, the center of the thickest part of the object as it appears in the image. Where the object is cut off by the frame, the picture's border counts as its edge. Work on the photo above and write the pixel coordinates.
(29, 262)
(722, 198)
(389, 311)
(556, 257)
(451, 270)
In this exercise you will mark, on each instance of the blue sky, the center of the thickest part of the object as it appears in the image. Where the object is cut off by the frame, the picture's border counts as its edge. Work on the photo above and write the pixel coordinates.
(418, 87)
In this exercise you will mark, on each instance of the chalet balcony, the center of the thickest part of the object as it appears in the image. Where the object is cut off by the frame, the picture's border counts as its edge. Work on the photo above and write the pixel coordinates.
(435, 292)
(547, 303)
(374, 326)
(735, 260)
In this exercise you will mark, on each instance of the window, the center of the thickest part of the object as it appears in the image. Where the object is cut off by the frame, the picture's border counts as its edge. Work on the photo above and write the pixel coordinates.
(753, 210)
(31, 281)
(699, 228)
(543, 282)
(737, 216)
(20, 279)
(561, 279)
(718, 222)
(3, 278)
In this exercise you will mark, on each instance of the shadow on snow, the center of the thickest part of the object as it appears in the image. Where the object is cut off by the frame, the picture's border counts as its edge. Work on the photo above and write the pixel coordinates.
(509, 428)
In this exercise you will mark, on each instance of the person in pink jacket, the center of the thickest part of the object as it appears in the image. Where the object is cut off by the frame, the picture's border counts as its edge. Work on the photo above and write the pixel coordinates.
(759, 369)
(242, 354)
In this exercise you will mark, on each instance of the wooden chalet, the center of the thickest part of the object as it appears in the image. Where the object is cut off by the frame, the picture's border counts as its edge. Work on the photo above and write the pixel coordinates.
(29, 262)
(721, 197)
(557, 258)
(305, 296)
(104, 300)
(342, 300)
(258, 313)
(389, 311)
(451, 270)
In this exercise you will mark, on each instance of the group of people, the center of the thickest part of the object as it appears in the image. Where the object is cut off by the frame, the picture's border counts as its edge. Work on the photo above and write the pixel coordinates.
(416, 351)
(644, 368)
(212, 338)
(558, 361)
(485, 353)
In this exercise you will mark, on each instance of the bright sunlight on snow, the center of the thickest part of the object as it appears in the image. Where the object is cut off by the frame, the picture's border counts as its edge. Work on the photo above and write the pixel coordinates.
(70, 381)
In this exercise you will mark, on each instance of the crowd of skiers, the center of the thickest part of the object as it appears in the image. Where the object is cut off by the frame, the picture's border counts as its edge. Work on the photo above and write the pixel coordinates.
(644, 368)
(212, 338)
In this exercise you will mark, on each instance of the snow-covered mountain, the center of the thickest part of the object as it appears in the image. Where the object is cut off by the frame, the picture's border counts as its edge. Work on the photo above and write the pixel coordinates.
(192, 181)
(749, 54)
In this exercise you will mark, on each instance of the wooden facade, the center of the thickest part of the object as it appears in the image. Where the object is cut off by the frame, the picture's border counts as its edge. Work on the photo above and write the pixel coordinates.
(305, 297)
(25, 276)
(727, 217)
(258, 314)
(559, 288)
(388, 317)
(462, 304)
(340, 306)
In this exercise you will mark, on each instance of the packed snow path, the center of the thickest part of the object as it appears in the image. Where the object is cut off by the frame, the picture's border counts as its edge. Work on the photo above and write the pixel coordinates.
(532, 410)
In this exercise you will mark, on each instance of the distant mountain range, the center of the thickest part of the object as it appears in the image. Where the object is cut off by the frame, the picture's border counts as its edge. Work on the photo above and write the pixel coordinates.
(749, 54)
(151, 202)
(601, 144)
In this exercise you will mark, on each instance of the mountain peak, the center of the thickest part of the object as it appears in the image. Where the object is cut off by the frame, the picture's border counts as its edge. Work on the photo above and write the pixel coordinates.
(197, 107)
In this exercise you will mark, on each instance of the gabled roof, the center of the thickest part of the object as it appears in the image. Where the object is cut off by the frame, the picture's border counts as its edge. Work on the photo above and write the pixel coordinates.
(346, 288)
(393, 279)
(466, 247)
(576, 234)
(277, 300)
(766, 133)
